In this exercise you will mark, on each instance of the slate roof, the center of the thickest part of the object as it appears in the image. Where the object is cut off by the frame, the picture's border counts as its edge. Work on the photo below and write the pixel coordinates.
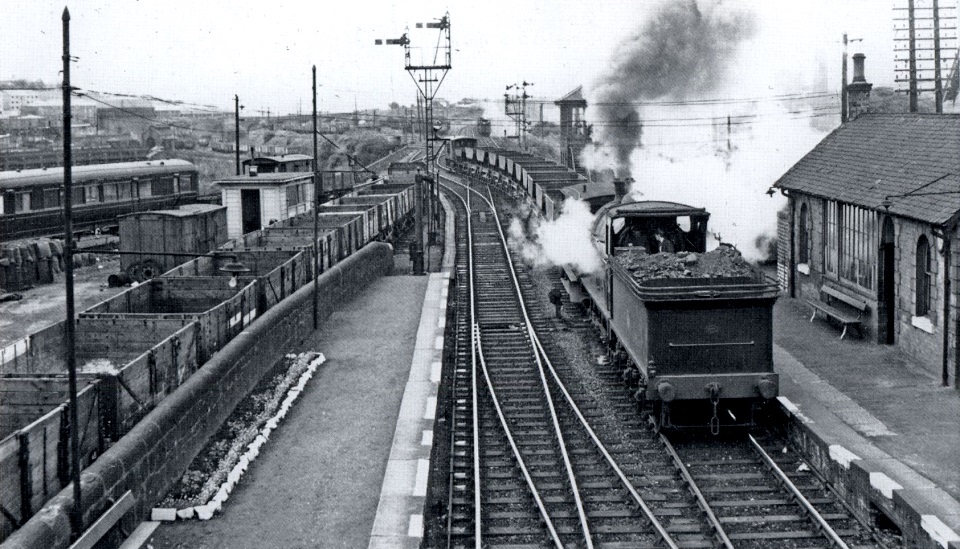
(909, 162)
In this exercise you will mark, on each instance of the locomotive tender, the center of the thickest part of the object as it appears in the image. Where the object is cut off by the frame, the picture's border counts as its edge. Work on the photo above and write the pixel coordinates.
(31, 201)
(700, 348)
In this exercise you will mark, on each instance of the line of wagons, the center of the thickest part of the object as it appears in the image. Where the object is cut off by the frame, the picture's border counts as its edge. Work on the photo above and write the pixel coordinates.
(698, 348)
(137, 347)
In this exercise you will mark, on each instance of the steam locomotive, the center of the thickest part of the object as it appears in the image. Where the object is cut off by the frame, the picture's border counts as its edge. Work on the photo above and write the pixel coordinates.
(697, 345)
(692, 329)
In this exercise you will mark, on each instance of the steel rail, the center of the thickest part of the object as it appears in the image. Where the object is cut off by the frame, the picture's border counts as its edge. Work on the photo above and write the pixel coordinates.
(658, 526)
(477, 353)
(534, 341)
(531, 334)
(647, 511)
(513, 445)
(692, 484)
(830, 533)
(477, 501)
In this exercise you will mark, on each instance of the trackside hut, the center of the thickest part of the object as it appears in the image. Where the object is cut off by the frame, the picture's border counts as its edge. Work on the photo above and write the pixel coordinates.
(254, 201)
(873, 214)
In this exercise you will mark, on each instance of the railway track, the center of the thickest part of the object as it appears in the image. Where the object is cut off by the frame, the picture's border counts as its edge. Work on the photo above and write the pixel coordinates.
(548, 452)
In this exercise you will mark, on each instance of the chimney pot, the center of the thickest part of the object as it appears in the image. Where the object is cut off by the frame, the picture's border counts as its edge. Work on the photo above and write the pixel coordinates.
(620, 187)
(858, 75)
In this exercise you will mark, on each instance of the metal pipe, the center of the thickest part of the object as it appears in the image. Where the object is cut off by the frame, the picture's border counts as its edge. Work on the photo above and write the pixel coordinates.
(76, 514)
(946, 308)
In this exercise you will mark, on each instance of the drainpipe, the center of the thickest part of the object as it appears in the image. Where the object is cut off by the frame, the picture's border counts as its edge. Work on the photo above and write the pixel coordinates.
(946, 308)
(792, 260)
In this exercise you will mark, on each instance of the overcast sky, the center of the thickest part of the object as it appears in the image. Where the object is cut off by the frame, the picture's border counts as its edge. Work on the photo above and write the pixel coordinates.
(205, 51)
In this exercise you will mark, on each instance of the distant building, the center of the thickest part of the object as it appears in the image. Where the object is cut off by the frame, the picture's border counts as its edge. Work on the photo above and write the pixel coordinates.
(873, 213)
(574, 132)
(126, 116)
(83, 111)
(14, 100)
(279, 164)
(405, 172)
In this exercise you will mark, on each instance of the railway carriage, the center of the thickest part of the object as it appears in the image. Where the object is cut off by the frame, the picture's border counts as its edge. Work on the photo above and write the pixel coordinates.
(32, 200)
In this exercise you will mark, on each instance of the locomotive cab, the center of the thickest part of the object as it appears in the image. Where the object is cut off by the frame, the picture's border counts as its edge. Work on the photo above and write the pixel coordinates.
(654, 226)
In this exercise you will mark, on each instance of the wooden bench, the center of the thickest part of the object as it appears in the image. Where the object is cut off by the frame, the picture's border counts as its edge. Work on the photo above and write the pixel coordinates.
(847, 319)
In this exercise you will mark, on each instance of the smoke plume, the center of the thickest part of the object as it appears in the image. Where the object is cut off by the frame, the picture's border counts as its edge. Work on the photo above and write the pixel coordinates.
(681, 51)
(563, 241)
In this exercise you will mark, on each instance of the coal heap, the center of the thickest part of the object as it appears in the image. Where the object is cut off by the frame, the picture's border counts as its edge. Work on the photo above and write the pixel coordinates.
(722, 262)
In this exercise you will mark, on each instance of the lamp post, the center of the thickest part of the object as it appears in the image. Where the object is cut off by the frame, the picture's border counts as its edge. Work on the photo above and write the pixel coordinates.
(416, 246)
(236, 119)
(235, 268)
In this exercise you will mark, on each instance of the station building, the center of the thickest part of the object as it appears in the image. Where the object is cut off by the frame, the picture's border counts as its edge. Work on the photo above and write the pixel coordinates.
(873, 214)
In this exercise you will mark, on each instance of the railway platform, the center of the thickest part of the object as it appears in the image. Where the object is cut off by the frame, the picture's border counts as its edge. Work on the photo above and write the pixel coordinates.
(348, 466)
(879, 412)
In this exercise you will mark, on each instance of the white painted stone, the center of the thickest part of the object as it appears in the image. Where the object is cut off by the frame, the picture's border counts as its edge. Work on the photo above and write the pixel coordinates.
(163, 514)
(939, 532)
(794, 410)
(923, 323)
(427, 439)
(788, 405)
(438, 342)
(185, 514)
(435, 369)
(431, 410)
(415, 530)
(842, 456)
(884, 484)
(204, 512)
(423, 473)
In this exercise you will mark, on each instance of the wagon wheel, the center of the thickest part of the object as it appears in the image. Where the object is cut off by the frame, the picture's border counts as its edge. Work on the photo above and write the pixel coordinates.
(136, 272)
(149, 269)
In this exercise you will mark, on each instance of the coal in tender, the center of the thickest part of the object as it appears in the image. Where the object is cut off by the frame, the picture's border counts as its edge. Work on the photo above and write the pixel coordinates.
(723, 262)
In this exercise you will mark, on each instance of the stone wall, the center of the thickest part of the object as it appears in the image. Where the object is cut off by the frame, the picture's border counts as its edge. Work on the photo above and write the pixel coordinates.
(157, 451)
(922, 338)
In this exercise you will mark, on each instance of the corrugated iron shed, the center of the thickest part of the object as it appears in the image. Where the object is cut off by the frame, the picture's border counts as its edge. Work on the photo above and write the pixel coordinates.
(904, 164)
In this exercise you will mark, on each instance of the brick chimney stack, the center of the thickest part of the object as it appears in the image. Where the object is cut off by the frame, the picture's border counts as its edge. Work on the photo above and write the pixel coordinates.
(858, 91)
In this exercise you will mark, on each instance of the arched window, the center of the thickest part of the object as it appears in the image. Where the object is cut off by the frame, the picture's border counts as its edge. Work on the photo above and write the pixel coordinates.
(803, 236)
(924, 277)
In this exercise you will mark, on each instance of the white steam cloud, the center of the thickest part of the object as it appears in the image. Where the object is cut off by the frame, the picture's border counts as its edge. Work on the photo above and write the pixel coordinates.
(564, 241)
(689, 153)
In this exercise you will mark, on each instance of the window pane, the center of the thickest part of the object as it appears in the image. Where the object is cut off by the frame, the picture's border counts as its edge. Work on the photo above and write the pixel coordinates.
(110, 192)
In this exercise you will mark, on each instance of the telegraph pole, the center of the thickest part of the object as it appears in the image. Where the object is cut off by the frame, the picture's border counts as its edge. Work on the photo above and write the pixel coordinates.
(914, 92)
(316, 212)
(937, 83)
(843, 84)
(236, 120)
(920, 28)
(76, 515)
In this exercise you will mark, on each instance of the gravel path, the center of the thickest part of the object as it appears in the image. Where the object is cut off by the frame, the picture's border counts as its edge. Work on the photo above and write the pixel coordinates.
(317, 482)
